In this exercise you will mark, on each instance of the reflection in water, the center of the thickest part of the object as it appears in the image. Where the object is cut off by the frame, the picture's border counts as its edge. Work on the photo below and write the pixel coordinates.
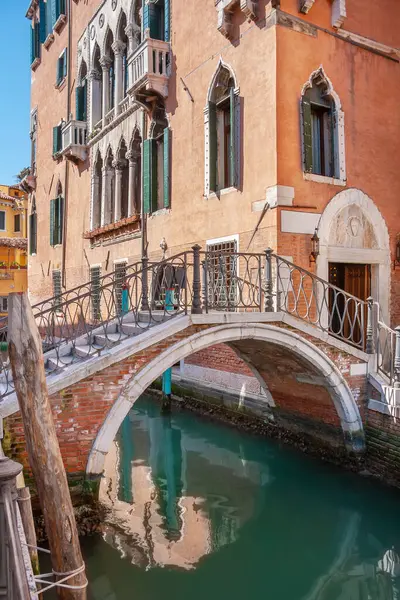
(207, 511)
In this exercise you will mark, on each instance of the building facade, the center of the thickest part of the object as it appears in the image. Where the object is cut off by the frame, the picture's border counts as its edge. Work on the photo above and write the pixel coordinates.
(13, 243)
(238, 125)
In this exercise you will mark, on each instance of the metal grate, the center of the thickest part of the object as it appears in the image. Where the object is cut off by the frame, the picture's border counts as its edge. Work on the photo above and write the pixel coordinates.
(120, 278)
(57, 291)
(222, 274)
(95, 274)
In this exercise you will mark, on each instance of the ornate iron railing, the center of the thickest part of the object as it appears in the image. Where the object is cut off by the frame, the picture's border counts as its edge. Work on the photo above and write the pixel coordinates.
(387, 350)
(105, 311)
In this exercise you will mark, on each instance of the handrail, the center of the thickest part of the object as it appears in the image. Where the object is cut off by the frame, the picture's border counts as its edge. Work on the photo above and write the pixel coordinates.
(81, 321)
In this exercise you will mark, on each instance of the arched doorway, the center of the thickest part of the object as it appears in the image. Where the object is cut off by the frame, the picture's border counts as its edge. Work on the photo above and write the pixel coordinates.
(354, 247)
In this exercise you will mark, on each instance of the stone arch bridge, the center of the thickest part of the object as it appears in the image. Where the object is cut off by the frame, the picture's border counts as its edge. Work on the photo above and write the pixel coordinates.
(310, 345)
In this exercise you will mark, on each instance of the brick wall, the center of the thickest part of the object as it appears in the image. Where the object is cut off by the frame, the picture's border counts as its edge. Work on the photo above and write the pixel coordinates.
(383, 446)
(220, 357)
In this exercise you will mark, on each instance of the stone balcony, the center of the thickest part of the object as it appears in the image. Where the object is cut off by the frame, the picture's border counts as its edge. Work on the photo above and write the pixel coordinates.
(149, 68)
(74, 140)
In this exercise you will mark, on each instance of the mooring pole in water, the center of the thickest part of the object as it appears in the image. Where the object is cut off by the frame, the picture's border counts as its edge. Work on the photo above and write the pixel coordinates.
(167, 376)
(26, 358)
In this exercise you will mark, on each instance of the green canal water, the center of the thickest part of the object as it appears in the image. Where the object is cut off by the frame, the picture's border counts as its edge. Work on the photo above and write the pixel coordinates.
(202, 511)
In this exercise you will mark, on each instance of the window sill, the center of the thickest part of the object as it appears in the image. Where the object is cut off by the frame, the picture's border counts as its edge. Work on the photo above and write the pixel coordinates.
(161, 211)
(62, 19)
(323, 179)
(48, 41)
(60, 86)
(56, 246)
(35, 64)
(223, 192)
(57, 156)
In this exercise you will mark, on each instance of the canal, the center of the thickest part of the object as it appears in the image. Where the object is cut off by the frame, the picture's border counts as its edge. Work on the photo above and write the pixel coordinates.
(200, 510)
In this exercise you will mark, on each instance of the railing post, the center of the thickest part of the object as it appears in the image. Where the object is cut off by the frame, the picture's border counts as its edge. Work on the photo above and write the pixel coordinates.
(196, 302)
(204, 293)
(369, 343)
(145, 284)
(268, 284)
(397, 359)
(16, 584)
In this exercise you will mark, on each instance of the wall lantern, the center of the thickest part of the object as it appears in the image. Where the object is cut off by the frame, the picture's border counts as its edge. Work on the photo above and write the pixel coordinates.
(314, 247)
(397, 255)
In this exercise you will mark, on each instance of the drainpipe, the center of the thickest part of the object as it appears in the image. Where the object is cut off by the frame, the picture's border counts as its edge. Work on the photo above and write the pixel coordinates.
(66, 182)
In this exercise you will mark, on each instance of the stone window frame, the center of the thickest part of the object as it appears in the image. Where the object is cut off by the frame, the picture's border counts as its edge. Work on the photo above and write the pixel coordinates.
(225, 9)
(340, 132)
(207, 192)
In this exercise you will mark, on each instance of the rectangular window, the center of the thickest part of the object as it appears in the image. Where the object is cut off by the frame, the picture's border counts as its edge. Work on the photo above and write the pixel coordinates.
(32, 233)
(95, 276)
(57, 290)
(56, 221)
(35, 42)
(2, 220)
(222, 274)
(3, 304)
(321, 132)
(57, 140)
(61, 68)
(17, 223)
(157, 172)
(120, 277)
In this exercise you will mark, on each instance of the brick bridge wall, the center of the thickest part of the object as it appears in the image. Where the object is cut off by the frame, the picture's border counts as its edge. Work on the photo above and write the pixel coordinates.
(81, 409)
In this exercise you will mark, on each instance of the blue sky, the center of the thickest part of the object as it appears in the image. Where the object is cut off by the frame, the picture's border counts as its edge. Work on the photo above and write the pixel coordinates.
(15, 89)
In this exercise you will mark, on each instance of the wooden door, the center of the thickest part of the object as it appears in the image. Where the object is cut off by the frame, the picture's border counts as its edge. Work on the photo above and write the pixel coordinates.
(357, 280)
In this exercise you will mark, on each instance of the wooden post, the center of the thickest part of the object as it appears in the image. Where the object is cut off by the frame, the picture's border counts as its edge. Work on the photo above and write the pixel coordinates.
(26, 357)
(25, 509)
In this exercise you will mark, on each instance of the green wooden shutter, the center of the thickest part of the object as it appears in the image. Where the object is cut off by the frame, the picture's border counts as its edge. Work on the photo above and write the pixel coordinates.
(335, 166)
(233, 149)
(147, 176)
(84, 101)
(56, 139)
(37, 40)
(307, 134)
(52, 222)
(167, 21)
(53, 12)
(167, 168)
(49, 17)
(154, 176)
(212, 143)
(146, 16)
(79, 95)
(43, 27)
(60, 215)
(59, 71)
(32, 233)
(32, 45)
(65, 63)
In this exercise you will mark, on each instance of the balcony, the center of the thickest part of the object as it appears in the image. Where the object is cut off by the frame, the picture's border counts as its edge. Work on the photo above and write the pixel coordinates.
(149, 68)
(74, 140)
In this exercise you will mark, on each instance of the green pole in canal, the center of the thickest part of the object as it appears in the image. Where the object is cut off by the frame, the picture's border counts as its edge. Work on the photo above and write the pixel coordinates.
(167, 376)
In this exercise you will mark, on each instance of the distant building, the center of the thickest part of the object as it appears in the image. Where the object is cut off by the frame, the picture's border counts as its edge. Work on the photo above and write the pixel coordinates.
(13, 243)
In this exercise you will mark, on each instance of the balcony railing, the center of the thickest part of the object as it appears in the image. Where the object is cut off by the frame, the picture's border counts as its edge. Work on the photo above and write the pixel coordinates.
(149, 67)
(74, 140)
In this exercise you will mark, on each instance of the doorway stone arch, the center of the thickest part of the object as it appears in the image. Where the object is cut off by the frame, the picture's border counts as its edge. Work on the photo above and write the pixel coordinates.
(352, 230)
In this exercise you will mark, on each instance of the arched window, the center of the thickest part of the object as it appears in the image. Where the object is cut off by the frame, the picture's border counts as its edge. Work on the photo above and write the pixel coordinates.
(323, 128)
(222, 133)
(121, 182)
(81, 94)
(135, 174)
(33, 229)
(97, 192)
(96, 91)
(57, 217)
(156, 157)
(123, 38)
(109, 54)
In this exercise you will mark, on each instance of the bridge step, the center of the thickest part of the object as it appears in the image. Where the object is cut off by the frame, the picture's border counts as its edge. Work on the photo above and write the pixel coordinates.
(85, 351)
(53, 363)
(130, 329)
(109, 339)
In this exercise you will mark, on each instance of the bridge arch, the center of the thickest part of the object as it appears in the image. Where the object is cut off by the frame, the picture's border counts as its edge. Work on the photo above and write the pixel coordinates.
(284, 340)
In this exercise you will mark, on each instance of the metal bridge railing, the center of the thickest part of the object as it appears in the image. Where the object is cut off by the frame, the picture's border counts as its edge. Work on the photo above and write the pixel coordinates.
(80, 322)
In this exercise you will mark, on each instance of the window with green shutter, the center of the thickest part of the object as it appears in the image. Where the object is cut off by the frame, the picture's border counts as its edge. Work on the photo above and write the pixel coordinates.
(49, 22)
(319, 130)
(81, 102)
(32, 233)
(57, 140)
(167, 20)
(62, 67)
(42, 22)
(156, 18)
(223, 157)
(35, 42)
(56, 221)
(167, 168)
